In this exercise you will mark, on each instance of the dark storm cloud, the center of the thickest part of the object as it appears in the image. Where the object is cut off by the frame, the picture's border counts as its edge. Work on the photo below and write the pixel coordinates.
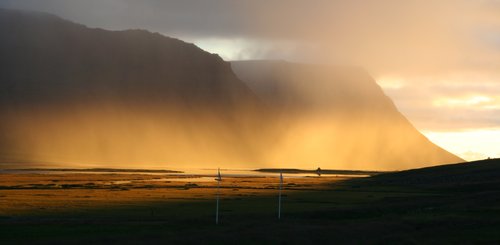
(381, 35)
(181, 17)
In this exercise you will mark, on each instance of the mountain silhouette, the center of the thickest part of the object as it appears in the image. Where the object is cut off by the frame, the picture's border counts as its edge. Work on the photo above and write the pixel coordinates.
(73, 94)
(79, 96)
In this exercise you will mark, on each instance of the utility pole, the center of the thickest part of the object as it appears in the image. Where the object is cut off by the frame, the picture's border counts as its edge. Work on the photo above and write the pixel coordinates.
(279, 195)
(218, 179)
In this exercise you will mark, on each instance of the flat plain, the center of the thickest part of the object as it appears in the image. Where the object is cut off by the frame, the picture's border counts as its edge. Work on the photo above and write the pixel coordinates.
(449, 204)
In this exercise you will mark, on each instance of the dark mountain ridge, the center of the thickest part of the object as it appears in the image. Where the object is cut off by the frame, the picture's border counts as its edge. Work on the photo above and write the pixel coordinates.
(64, 57)
(95, 98)
(75, 94)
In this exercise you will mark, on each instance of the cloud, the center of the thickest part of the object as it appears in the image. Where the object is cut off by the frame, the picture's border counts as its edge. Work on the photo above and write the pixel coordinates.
(449, 102)
(409, 36)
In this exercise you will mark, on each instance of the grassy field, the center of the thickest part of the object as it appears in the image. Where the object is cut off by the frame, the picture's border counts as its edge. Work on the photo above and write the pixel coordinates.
(454, 204)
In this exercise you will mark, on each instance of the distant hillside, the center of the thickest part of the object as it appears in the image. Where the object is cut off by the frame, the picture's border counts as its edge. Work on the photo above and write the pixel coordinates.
(337, 116)
(484, 175)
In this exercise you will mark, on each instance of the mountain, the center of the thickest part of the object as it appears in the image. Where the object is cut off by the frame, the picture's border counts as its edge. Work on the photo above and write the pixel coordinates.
(337, 116)
(73, 94)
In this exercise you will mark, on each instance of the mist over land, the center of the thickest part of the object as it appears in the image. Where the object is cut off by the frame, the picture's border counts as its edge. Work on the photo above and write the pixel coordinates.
(130, 136)
(72, 94)
(78, 96)
(337, 116)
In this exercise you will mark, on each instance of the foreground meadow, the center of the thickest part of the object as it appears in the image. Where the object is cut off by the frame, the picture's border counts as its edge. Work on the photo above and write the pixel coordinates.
(397, 208)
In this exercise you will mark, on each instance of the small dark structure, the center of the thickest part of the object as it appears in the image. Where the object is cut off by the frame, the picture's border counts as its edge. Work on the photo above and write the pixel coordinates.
(318, 171)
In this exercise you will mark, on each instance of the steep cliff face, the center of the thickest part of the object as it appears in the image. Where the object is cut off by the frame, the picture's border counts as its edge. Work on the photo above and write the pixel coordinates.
(337, 116)
(76, 96)
(73, 94)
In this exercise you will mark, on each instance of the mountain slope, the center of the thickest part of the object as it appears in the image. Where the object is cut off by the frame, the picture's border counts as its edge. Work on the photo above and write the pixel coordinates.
(87, 97)
(73, 94)
(337, 116)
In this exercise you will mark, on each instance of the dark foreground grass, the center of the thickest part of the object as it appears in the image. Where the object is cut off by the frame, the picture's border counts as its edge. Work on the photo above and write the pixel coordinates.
(342, 217)
(362, 211)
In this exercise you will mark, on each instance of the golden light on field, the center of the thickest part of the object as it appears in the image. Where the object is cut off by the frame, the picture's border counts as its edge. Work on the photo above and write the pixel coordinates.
(267, 121)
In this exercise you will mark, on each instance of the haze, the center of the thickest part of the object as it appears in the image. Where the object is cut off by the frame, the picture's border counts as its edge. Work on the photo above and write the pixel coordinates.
(438, 60)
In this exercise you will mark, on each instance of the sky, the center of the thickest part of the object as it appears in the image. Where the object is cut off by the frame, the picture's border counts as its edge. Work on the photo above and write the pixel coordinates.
(438, 60)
